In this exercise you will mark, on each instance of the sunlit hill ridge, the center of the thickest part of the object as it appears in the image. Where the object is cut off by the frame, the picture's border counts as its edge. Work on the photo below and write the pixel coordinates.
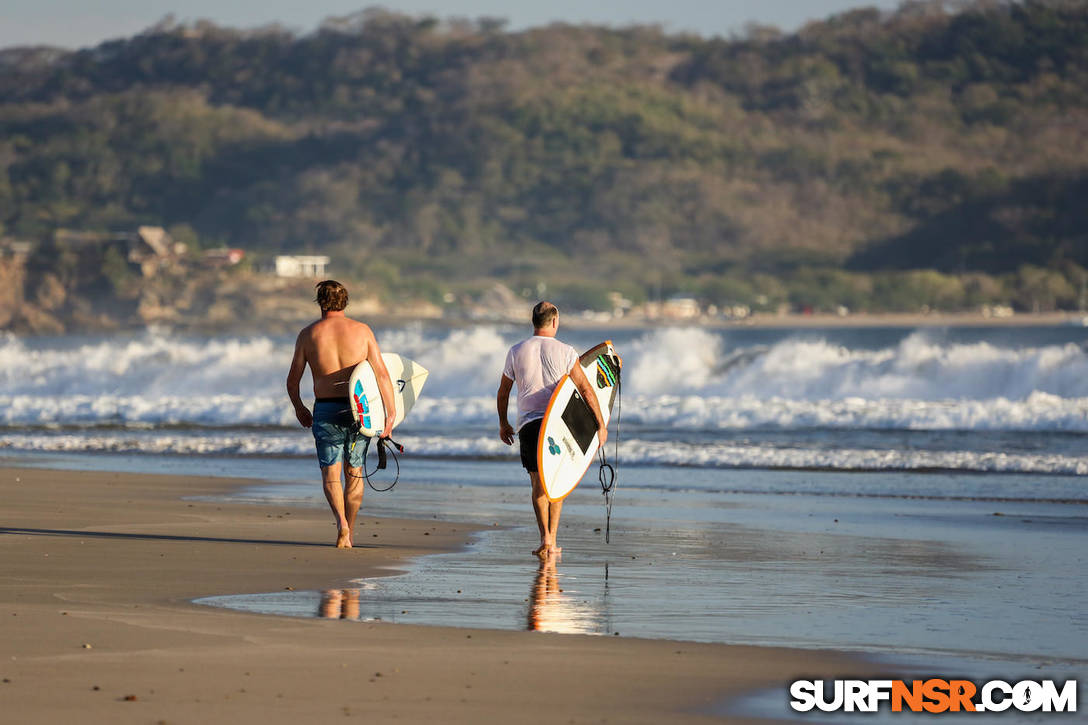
(926, 158)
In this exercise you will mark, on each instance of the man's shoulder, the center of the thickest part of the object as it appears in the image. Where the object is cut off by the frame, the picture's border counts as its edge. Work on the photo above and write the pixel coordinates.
(558, 344)
(520, 344)
(308, 331)
(539, 344)
(336, 324)
(357, 325)
(542, 341)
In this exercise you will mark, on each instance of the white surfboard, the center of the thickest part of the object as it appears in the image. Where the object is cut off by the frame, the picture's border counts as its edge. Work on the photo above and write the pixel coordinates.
(568, 434)
(365, 398)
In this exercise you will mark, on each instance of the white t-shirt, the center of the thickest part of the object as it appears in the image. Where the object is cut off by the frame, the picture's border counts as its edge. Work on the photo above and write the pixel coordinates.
(537, 365)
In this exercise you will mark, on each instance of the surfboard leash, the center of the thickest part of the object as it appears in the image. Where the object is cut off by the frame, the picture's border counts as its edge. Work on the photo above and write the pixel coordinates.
(606, 473)
(387, 447)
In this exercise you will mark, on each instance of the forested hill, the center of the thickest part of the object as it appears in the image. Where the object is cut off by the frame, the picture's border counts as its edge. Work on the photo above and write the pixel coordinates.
(427, 151)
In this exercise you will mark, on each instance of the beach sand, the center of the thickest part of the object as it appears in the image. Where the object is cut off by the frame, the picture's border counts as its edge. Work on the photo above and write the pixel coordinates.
(97, 626)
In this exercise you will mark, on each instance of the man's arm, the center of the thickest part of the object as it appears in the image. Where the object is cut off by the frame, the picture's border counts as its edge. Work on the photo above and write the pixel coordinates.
(502, 399)
(385, 385)
(294, 377)
(578, 376)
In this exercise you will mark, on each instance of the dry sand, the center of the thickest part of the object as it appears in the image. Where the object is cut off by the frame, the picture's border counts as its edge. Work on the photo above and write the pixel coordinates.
(97, 571)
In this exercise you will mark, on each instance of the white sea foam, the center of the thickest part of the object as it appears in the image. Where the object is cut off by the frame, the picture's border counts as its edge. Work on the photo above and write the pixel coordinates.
(696, 361)
(1038, 412)
(689, 379)
(468, 362)
(632, 451)
(852, 459)
(460, 362)
(161, 443)
(152, 365)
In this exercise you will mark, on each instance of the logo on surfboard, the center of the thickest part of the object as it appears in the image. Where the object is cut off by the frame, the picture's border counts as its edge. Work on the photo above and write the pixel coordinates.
(361, 406)
(605, 377)
(552, 447)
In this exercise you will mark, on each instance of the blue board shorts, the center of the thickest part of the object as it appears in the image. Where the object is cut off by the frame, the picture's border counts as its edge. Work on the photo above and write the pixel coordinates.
(335, 434)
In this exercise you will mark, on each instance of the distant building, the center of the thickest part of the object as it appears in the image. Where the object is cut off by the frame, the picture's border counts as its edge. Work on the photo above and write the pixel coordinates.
(733, 312)
(14, 248)
(152, 249)
(620, 304)
(223, 257)
(157, 240)
(680, 308)
(997, 311)
(290, 265)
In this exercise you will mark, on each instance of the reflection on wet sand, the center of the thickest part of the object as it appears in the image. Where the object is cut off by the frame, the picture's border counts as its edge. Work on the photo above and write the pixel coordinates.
(551, 609)
(339, 604)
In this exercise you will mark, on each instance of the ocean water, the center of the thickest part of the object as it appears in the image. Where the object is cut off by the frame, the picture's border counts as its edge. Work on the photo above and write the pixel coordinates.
(1010, 400)
(921, 492)
(791, 558)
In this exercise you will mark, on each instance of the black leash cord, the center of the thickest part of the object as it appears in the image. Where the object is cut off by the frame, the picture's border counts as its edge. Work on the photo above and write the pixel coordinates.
(386, 447)
(606, 474)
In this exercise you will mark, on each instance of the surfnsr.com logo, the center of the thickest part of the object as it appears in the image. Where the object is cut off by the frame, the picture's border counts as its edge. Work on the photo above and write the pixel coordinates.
(933, 696)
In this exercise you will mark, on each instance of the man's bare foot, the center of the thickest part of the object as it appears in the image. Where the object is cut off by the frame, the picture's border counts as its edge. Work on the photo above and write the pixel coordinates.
(541, 550)
(343, 539)
(555, 550)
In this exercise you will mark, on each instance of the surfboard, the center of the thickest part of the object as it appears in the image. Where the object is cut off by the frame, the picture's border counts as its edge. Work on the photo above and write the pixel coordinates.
(568, 433)
(365, 398)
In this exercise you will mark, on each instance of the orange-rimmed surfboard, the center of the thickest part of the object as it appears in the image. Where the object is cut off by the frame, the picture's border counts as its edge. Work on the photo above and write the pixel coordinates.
(568, 433)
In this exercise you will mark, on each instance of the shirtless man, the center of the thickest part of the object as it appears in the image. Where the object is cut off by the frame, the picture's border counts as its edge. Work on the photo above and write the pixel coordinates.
(537, 364)
(332, 347)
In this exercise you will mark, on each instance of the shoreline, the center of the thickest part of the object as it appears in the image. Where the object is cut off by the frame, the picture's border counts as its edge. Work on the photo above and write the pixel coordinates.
(101, 569)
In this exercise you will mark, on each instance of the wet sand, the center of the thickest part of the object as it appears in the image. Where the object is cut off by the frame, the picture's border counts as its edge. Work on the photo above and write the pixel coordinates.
(97, 574)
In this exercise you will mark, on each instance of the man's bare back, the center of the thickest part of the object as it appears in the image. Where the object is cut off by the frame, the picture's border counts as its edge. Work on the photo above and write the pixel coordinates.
(333, 347)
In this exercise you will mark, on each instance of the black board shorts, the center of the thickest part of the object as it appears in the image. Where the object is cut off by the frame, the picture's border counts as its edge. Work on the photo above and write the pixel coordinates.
(528, 437)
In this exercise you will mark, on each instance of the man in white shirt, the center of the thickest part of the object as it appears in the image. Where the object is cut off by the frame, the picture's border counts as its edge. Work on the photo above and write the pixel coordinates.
(537, 364)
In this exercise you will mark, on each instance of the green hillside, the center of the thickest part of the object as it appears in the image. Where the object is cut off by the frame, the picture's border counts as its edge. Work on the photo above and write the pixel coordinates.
(875, 161)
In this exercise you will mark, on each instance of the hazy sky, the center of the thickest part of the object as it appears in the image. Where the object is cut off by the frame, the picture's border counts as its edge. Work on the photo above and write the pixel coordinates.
(80, 23)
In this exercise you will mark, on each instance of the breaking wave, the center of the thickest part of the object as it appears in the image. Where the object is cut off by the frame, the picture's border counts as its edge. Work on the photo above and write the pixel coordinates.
(159, 393)
(686, 378)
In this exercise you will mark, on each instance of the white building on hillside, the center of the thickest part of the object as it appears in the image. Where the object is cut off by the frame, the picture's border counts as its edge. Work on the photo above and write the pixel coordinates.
(289, 265)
